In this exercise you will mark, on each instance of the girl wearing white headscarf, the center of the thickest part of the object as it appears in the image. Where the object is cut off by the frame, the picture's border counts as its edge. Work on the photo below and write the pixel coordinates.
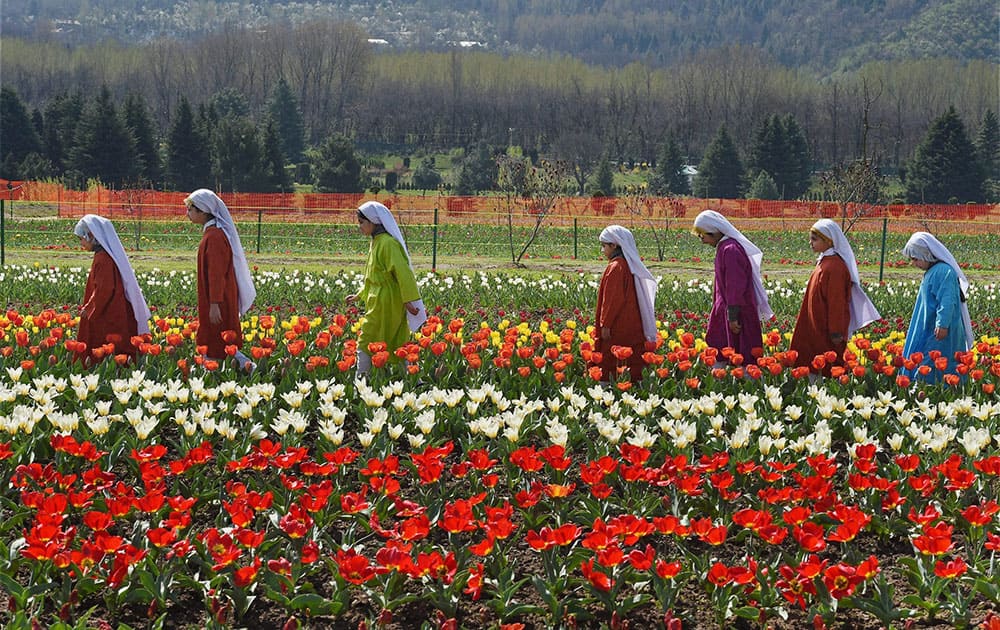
(390, 298)
(114, 309)
(625, 315)
(739, 299)
(834, 305)
(225, 288)
(940, 319)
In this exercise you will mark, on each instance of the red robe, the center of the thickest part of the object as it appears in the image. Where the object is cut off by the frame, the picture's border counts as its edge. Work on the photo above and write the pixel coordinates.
(217, 284)
(106, 314)
(826, 309)
(618, 310)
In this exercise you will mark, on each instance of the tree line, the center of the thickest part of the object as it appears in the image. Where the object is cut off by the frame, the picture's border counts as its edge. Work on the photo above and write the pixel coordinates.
(821, 35)
(322, 88)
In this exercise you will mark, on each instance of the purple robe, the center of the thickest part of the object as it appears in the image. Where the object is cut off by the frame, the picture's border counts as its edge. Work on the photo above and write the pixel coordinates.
(734, 287)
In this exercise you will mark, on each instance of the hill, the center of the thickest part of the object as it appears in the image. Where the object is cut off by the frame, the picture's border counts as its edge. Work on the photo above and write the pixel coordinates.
(823, 36)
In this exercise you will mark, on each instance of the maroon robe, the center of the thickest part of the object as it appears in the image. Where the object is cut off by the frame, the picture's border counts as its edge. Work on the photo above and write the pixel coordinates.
(106, 315)
(826, 309)
(618, 310)
(217, 284)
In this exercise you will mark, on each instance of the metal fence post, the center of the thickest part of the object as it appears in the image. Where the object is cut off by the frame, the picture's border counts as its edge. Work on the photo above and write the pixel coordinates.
(434, 241)
(3, 237)
(881, 264)
(260, 218)
(574, 239)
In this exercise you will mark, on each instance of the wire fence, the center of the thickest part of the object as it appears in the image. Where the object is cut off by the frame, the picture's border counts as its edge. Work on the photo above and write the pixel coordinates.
(325, 223)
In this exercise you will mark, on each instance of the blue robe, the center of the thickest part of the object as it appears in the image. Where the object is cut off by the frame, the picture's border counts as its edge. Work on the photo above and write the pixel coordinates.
(938, 306)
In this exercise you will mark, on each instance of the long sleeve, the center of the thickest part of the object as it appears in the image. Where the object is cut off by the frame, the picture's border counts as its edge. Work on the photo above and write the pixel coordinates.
(218, 261)
(837, 295)
(398, 265)
(615, 285)
(947, 292)
(736, 281)
(103, 281)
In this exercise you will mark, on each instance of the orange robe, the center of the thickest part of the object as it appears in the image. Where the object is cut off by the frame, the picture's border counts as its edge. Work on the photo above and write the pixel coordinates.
(826, 309)
(618, 310)
(106, 314)
(217, 284)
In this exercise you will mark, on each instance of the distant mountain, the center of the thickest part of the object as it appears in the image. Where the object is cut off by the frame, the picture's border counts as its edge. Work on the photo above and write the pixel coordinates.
(821, 35)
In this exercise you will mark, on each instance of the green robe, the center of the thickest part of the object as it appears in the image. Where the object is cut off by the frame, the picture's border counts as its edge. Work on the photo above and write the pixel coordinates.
(389, 284)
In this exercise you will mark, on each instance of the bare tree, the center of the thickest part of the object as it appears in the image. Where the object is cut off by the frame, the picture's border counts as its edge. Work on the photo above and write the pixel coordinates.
(528, 190)
(857, 186)
(134, 196)
(657, 213)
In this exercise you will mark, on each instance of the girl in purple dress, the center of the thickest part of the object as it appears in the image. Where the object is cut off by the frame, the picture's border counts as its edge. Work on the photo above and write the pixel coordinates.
(739, 300)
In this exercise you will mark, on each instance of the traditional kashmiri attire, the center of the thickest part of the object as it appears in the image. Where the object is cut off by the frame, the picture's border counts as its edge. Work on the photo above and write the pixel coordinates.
(223, 278)
(834, 303)
(625, 301)
(114, 309)
(388, 286)
(738, 293)
(941, 303)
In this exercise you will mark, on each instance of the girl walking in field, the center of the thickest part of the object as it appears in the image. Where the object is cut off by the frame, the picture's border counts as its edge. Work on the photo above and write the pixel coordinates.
(834, 305)
(940, 322)
(739, 300)
(390, 298)
(225, 288)
(114, 309)
(625, 318)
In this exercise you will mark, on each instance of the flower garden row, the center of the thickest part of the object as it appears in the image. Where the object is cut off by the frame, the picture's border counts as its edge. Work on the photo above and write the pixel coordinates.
(490, 480)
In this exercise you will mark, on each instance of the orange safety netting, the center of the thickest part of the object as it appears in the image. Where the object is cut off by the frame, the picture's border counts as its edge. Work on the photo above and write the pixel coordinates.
(340, 207)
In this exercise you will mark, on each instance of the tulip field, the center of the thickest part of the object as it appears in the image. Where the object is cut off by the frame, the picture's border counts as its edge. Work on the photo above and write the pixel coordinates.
(481, 476)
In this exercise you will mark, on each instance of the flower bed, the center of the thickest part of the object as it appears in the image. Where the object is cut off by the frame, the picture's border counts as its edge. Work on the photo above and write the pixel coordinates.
(483, 478)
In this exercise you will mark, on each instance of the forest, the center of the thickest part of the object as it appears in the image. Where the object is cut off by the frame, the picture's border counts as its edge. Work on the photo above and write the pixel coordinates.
(823, 36)
(335, 85)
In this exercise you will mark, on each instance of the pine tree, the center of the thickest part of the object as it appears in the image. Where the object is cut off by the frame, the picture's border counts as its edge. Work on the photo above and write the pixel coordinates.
(335, 166)
(189, 156)
(62, 114)
(603, 182)
(276, 178)
(763, 187)
(238, 160)
(426, 176)
(779, 148)
(769, 152)
(284, 109)
(670, 176)
(988, 150)
(720, 173)
(478, 172)
(798, 161)
(19, 137)
(104, 147)
(945, 168)
(147, 153)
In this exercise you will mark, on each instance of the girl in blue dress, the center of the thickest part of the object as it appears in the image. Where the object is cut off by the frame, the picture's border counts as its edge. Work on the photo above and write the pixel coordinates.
(940, 319)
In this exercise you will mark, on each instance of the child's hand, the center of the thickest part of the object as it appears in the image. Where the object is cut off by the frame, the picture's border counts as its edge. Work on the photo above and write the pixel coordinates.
(215, 314)
(412, 308)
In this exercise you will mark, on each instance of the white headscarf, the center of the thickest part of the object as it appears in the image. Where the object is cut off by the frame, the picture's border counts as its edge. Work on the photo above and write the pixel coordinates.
(380, 215)
(103, 231)
(924, 246)
(712, 221)
(207, 201)
(645, 284)
(863, 312)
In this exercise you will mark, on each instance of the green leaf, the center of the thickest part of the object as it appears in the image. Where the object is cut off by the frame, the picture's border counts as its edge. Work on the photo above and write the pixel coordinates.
(747, 612)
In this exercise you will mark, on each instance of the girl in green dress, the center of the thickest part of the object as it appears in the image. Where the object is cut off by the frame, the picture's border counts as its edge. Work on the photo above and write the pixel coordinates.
(390, 298)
